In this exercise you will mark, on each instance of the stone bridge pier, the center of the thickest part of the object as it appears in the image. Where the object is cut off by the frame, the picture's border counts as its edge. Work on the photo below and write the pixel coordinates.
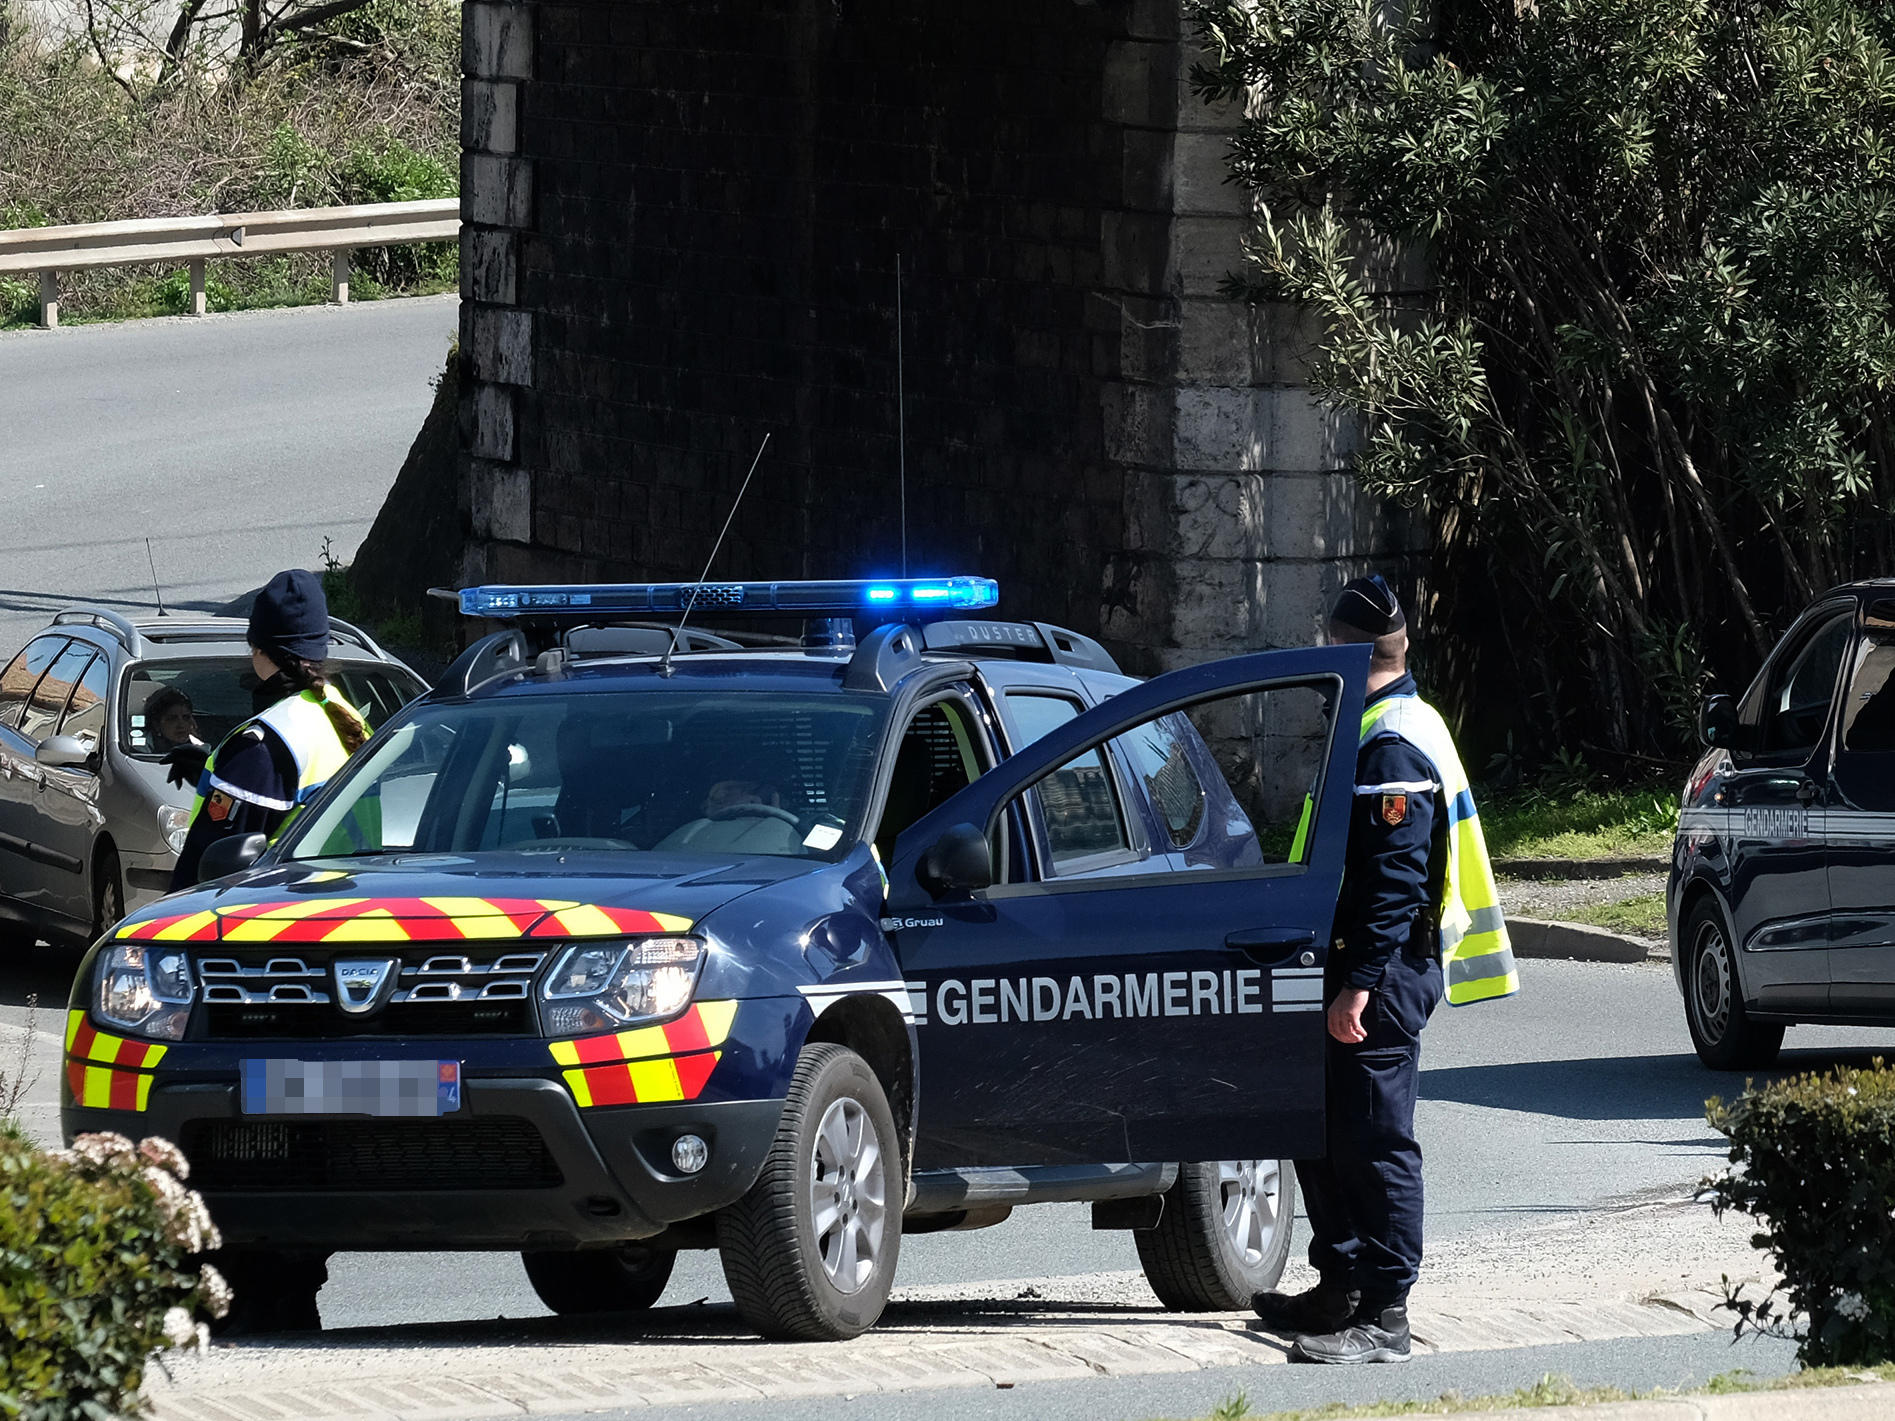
(684, 223)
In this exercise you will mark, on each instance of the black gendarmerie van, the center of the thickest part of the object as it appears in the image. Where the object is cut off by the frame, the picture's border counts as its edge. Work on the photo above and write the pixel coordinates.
(1782, 897)
(605, 949)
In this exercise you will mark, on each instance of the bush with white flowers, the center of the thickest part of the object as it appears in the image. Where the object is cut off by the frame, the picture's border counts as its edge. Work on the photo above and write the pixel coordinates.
(1816, 1169)
(99, 1269)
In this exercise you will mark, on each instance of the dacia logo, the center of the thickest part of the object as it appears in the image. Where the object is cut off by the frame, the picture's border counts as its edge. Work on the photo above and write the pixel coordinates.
(359, 982)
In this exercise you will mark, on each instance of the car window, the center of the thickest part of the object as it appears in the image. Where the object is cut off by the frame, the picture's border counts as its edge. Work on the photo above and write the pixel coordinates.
(48, 701)
(85, 712)
(1158, 754)
(1797, 707)
(23, 673)
(1868, 711)
(1078, 801)
(725, 774)
(942, 750)
(205, 698)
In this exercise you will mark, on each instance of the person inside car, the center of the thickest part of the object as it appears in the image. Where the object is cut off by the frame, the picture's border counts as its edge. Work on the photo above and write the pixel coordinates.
(170, 721)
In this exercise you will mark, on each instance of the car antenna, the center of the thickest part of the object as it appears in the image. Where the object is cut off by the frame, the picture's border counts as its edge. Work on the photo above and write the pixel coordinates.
(901, 419)
(155, 592)
(664, 666)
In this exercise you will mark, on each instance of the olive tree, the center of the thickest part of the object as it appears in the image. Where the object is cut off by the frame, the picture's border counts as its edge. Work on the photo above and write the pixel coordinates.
(1644, 390)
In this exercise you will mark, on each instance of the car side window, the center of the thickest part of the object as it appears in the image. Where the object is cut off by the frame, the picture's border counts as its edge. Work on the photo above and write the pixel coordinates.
(1868, 710)
(85, 712)
(942, 751)
(48, 701)
(1797, 707)
(1159, 757)
(1078, 802)
(23, 673)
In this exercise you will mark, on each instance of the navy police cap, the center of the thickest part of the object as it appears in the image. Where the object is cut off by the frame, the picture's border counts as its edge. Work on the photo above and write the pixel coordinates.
(1369, 605)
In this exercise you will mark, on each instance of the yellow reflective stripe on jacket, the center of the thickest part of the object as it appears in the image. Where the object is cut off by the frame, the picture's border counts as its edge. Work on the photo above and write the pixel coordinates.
(1299, 845)
(1476, 954)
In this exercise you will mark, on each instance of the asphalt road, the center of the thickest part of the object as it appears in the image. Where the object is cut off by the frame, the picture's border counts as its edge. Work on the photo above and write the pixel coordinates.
(235, 443)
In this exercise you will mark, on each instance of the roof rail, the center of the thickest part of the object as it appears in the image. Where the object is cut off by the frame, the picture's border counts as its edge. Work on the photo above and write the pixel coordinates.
(362, 638)
(494, 655)
(116, 623)
(885, 656)
(1057, 644)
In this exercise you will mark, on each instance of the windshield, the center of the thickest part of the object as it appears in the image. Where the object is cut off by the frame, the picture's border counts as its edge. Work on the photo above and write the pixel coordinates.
(170, 703)
(724, 773)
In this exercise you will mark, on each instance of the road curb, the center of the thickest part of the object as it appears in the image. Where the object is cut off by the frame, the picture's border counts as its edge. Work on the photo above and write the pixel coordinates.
(1574, 942)
(1841, 1403)
(1578, 868)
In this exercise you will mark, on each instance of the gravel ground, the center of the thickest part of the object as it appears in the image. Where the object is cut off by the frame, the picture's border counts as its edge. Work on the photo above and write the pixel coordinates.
(1553, 898)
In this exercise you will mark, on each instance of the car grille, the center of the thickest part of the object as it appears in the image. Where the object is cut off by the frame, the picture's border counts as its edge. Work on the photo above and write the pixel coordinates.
(436, 994)
(366, 1155)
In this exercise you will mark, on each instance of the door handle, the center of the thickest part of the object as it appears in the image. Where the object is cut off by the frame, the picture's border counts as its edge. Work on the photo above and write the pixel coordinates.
(1269, 945)
(1807, 793)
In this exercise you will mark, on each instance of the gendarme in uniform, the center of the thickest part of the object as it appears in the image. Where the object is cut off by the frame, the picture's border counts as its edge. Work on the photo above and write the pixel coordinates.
(1419, 916)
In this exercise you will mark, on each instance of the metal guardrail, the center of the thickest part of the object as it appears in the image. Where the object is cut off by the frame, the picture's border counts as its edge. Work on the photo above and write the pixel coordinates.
(196, 240)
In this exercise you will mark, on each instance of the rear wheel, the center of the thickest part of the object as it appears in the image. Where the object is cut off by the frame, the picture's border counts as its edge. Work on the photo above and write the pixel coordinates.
(1722, 1030)
(810, 1252)
(1224, 1235)
(629, 1278)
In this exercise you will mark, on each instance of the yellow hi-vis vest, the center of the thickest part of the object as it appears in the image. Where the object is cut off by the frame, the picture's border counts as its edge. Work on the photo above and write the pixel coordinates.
(1476, 956)
(301, 723)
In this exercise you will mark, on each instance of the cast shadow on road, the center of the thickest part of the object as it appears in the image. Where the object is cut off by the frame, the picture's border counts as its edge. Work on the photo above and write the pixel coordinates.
(1672, 1087)
(39, 971)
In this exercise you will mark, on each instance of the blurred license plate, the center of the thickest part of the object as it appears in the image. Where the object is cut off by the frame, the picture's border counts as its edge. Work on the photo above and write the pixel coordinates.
(279, 1086)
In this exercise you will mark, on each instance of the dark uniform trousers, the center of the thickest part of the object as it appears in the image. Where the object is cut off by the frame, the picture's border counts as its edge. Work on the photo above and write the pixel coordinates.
(1364, 1199)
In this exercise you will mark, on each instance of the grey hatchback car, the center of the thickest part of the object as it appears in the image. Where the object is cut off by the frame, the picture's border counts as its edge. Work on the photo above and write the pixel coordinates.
(89, 825)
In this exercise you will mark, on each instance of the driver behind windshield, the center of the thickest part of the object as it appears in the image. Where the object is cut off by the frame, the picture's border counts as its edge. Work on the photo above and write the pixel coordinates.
(742, 812)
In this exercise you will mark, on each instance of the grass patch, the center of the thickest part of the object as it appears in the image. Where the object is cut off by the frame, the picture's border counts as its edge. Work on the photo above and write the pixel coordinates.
(1640, 916)
(1581, 823)
(1556, 1391)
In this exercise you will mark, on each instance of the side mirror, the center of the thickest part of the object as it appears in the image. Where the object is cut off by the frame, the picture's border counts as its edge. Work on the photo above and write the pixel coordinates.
(63, 752)
(223, 857)
(1718, 726)
(959, 862)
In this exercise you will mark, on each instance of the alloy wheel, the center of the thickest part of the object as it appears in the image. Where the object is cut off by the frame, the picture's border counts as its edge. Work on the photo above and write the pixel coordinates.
(848, 1194)
(1250, 1193)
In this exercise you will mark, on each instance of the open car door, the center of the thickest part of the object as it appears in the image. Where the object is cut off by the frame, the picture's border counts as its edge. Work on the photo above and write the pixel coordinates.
(1169, 1014)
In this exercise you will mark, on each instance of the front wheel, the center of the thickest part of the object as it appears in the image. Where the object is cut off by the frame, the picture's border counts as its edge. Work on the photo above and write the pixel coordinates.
(1223, 1237)
(809, 1253)
(629, 1278)
(1722, 1030)
(108, 892)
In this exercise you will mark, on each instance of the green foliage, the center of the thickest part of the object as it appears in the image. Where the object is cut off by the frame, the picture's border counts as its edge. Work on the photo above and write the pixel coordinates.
(1609, 283)
(1560, 816)
(1642, 915)
(1815, 1166)
(96, 1273)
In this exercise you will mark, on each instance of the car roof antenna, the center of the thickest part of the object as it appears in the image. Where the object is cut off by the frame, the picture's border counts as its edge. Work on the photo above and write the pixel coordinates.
(901, 419)
(664, 666)
(155, 592)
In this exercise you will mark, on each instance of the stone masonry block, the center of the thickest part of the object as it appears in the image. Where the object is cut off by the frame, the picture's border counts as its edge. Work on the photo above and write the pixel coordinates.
(1146, 182)
(1139, 78)
(1322, 516)
(1198, 516)
(496, 40)
(1296, 601)
(495, 191)
(1304, 434)
(489, 266)
(1217, 342)
(490, 116)
(490, 420)
(1215, 603)
(1134, 248)
(1137, 423)
(501, 501)
(1259, 429)
(1195, 114)
(500, 345)
(1201, 165)
(1206, 250)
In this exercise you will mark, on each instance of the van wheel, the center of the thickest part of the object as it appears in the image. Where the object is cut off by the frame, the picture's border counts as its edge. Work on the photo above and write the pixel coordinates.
(809, 1253)
(1224, 1235)
(108, 892)
(1725, 1036)
(629, 1278)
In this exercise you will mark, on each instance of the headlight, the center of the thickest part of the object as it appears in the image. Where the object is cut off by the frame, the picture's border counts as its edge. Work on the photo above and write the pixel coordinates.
(143, 989)
(174, 823)
(601, 986)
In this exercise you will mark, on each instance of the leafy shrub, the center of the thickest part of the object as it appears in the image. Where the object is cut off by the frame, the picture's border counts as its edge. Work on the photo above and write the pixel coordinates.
(1817, 1157)
(96, 1272)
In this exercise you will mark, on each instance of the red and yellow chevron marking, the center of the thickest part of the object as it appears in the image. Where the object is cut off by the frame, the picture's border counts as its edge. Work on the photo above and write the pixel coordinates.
(99, 1086)
(652, 1063)
(400, 920)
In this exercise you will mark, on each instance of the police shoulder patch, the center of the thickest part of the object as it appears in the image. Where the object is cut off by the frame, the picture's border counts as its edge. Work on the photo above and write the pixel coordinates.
(1394, 809)
(218, 806)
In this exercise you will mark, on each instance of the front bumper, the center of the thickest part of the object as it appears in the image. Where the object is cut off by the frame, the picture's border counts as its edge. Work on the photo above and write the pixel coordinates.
(526, 1169)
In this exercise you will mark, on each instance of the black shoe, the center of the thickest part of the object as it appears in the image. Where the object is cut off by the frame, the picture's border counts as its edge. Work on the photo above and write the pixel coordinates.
(1374, 1334)
(1323, 1308)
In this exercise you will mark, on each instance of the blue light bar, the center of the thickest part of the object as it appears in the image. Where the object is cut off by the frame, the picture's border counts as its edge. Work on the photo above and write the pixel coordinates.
(662, 599)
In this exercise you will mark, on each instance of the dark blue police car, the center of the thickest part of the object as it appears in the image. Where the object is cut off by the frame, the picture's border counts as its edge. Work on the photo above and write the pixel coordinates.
(1782, 899)
(608, 948)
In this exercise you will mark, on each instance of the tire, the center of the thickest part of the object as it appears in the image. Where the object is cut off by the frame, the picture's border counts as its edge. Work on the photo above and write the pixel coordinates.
(797, 1276)
(1722, 1030)
(626, 1279)
(108, 891)
(1224, 1235)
